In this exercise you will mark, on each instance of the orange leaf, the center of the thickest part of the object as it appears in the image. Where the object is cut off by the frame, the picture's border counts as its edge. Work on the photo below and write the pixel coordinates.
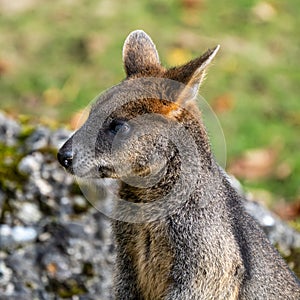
(178, 56)
(51, 268)
(254, 164)
(223, 103)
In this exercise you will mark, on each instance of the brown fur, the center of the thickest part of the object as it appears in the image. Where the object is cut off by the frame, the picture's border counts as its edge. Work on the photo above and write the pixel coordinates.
(153, 260)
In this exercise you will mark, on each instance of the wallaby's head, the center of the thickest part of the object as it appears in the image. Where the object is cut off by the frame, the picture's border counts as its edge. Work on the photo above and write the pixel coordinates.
(140, 127)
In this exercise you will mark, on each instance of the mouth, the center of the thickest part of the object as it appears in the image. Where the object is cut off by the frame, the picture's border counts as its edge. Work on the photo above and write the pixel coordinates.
(70, 170)
(97, 172)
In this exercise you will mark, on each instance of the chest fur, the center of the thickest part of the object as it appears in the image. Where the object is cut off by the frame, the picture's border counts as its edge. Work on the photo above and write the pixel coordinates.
(153, 259)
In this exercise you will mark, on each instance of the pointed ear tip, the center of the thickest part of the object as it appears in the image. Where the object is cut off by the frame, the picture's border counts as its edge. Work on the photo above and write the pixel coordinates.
(212, 53)
(216, 50)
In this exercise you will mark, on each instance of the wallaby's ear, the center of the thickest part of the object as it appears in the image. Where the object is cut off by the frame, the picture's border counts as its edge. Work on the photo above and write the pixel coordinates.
(139, 54)
(193, 73)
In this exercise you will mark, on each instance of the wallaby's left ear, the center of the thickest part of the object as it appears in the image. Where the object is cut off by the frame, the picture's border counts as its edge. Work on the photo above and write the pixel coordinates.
(139, 54)
(193, 73)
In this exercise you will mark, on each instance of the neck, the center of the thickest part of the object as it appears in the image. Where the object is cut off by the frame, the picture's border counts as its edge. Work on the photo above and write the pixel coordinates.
(167, 178)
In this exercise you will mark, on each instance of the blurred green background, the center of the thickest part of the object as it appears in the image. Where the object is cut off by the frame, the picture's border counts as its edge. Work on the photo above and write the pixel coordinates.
(56, 56)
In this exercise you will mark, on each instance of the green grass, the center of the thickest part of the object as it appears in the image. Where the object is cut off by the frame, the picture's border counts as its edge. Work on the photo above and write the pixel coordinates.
(58, 56)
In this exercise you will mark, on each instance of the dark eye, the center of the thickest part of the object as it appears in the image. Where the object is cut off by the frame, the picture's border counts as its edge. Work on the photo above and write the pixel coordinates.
(119, 125)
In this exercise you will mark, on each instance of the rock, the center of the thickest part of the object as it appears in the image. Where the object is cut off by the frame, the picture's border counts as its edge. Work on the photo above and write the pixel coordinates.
(55, 244)
(17, 235)
(5, 277)
(44, 187)
(2, 198)
(59, 137)
(9, 130)
(28, 212)
(6, 287)
(27, 280)
(80, 204)
(39, 139)
(31, 164)
(279, 232)
(5, 236)
(21, 234)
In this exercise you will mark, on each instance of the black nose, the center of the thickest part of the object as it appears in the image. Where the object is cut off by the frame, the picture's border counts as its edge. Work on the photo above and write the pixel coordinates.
(65, 158)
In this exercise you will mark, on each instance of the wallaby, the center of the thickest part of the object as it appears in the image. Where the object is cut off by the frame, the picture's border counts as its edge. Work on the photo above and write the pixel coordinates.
(198, 243)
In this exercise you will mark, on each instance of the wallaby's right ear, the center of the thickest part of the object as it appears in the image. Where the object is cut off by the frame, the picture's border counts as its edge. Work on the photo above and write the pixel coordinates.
(139, 54)
(192, 74)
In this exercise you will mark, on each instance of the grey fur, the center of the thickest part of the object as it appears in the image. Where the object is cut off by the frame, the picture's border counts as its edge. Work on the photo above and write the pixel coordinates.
(207, 247)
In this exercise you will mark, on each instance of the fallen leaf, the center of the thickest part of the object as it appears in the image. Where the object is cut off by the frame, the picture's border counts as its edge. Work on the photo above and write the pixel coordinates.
(51, 268)
(4, 67)
(287, 211)
(8, 7)
(223, 103)
(254, 164)
(264, 11)
(178, 56)
(53, 96)
(283, 171)
(192, 4)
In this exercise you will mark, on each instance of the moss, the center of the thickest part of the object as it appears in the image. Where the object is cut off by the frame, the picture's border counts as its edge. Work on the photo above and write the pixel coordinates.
(67, 288)
(81, 208)
(9, 160)
(88, 269)
(6, 208)
(26, 131)
(10, 178)
(293, 260)
(295, 224)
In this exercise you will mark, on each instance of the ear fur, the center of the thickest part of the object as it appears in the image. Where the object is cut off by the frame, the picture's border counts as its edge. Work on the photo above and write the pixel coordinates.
(192, 73)
(139, 54)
